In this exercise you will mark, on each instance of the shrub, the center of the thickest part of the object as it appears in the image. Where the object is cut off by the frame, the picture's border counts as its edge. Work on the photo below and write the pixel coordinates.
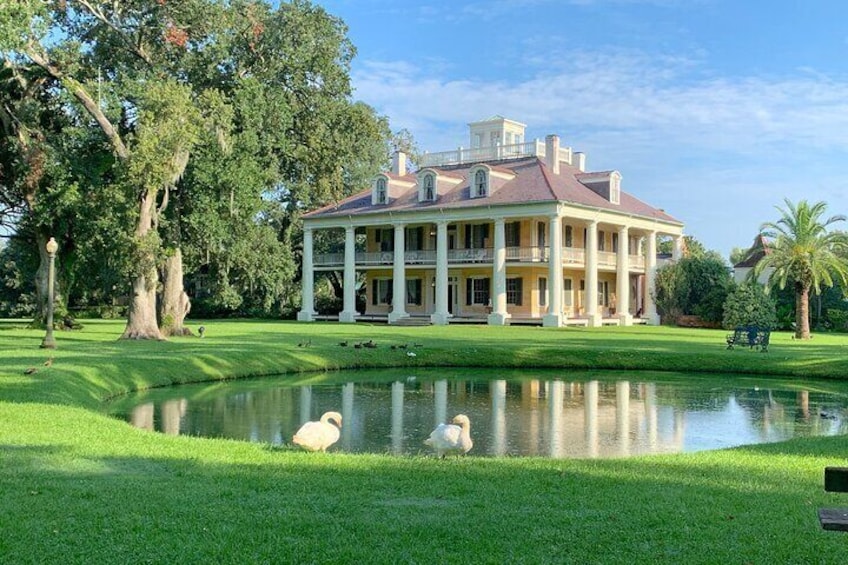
(838, 319)
(749, 305)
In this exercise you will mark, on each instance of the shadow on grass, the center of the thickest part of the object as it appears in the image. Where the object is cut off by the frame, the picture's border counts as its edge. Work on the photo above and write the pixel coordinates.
(227, 502)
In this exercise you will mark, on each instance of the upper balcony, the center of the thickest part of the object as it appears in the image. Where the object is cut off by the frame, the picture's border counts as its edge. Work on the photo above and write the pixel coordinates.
(571, 257)
(462, 156)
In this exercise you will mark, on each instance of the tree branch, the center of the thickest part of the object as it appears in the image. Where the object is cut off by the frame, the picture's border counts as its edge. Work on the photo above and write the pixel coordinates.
(136, 48)
(81, 94)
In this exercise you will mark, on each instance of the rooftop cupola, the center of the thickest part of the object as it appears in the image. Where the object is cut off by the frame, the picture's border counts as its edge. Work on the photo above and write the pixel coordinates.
(496, 131)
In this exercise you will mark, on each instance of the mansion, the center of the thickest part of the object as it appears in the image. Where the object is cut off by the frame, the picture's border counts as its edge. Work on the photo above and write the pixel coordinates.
(508, 231)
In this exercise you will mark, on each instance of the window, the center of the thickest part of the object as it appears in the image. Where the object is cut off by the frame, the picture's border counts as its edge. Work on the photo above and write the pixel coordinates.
(414, 239)
(615, 188)
(381, 291)
(381, 191)
(413, 291)
(541, 234)
(602, 240)
(480, 184)
(569, 236)
(615, 242)
(477, 292)
(429, 188)
(543, 291)
(386, 238)
(514, 288)
(513, 234)
(603, 293)
(567, 292)
(476, 236)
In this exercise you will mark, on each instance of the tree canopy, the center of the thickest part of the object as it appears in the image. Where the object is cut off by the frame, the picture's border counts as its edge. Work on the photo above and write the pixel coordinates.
(805, 253)
(147, 134)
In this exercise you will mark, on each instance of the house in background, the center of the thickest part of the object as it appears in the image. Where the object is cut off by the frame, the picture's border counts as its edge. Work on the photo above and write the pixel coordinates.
(507, 231)
(742, 270)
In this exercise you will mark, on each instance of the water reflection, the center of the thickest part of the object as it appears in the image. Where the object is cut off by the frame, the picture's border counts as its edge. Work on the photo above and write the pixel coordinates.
(556, 418)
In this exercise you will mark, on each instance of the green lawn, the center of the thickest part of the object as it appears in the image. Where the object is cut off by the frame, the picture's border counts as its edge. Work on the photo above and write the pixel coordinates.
(78, 487)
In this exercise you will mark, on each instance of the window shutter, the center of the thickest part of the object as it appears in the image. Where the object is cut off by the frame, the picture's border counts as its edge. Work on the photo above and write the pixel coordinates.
(375, 288)
(519, 284)
(379, 231)
(468, 291)
(420, 239)
(468, 236)
(486, 287)
(485, 231)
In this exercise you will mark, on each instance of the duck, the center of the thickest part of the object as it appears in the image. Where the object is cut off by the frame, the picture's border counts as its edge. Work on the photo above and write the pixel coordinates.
(318, 436)
(453, 438)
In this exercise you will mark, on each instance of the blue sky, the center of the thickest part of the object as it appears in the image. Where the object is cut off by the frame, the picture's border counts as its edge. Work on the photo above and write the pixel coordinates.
(713, 110)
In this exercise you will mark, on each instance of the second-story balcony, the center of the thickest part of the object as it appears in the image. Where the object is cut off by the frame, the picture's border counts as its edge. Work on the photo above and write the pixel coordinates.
(571, 257)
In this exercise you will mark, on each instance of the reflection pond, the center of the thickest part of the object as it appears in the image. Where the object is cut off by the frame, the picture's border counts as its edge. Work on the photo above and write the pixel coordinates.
(524, 413)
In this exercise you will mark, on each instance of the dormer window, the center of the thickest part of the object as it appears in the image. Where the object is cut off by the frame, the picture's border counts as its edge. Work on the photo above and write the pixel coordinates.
(429, 188)
(615, 188)
(381, 196)
(481, 184)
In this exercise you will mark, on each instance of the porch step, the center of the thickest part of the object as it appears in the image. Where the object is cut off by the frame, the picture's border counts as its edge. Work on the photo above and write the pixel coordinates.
(412, 321)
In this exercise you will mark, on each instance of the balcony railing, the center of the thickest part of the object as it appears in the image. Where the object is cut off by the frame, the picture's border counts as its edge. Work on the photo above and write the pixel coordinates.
(571, 256)
(462, 156)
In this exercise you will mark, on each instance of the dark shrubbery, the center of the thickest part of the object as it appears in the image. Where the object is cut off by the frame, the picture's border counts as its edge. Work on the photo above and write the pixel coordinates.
(749, 305)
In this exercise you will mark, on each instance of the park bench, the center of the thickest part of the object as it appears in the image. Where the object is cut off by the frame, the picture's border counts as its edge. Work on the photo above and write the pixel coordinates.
(750, 336)
(835, 480)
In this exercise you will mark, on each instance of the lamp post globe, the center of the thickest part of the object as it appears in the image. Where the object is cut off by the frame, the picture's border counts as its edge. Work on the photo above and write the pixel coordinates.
(49, 342)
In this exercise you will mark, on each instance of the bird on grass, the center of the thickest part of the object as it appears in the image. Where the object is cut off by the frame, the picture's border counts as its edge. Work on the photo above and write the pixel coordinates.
(30, 371)
(306, 343)
(201, 330)
(343, 343)
(318, 436)
(410, 354)
(453, 438)
(48, 362)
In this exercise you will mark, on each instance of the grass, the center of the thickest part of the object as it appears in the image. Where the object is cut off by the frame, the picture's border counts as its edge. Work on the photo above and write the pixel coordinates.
(79, 487)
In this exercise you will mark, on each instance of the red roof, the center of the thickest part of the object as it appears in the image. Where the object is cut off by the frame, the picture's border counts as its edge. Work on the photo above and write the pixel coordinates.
(533, 182)
(758, 250)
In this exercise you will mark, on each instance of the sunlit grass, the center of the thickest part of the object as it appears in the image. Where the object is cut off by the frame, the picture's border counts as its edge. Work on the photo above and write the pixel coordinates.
(79, 487)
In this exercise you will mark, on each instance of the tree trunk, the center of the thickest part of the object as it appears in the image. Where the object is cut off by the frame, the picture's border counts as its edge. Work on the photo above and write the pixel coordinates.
(141, 319)
(802, 312)
(174, 303)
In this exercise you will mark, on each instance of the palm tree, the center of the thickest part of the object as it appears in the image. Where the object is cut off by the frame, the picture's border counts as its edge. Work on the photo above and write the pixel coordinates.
(805, 253)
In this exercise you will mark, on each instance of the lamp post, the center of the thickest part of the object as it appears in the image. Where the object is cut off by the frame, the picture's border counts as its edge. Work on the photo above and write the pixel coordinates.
(48, 342)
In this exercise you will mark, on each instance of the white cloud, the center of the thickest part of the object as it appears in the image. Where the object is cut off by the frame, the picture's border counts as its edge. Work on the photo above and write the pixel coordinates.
(708, 148)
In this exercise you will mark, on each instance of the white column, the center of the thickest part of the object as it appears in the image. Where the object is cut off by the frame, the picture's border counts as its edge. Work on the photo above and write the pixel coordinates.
(622, 416)
(554, 316)
(399, 278)
(347, 416)
(499, 315)
(498, 392)
(397, 417)
(622, 294)
(590, 409)
(557, 434)
(677, 253)
(592, 310)
(650, 279)
(348, 314)
(307, 308)
(441, 315)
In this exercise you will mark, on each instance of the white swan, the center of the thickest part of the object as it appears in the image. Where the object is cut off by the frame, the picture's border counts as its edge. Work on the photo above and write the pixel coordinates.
(451, 439)
(318, 436)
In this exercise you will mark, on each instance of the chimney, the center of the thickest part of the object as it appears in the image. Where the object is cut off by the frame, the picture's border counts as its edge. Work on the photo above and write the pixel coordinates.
(579, 161)
(552, 153)
(399, 163)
